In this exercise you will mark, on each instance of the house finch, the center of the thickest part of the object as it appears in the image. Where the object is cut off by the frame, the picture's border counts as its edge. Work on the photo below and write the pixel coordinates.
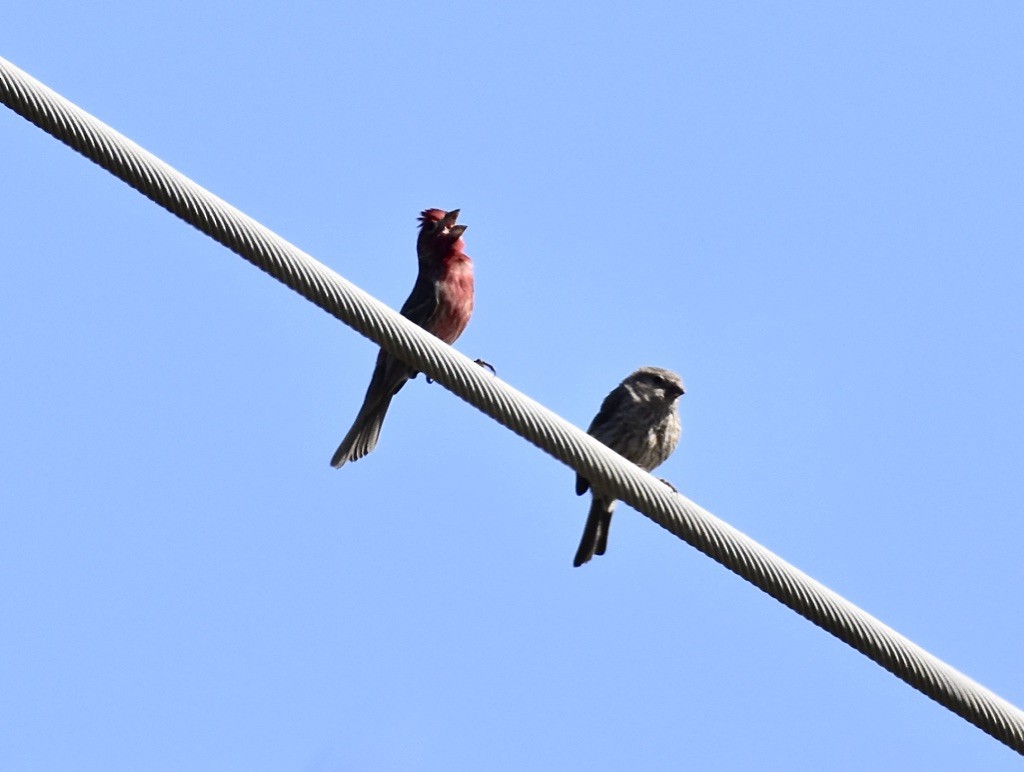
(640, 421)
(441, 303)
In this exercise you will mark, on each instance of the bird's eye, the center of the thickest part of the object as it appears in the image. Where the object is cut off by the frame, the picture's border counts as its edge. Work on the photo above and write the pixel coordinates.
(666, 384)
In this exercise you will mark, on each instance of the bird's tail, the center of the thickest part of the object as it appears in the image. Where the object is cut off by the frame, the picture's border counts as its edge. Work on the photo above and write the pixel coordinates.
(595, 533)
(363, 436)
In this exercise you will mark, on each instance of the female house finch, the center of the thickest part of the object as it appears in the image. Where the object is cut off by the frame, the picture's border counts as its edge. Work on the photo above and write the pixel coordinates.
(639, 420)
(441, 303)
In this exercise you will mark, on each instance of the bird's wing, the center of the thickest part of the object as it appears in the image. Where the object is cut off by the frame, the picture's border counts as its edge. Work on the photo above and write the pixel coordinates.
(600, 426)
(606, 416)
(422, 303)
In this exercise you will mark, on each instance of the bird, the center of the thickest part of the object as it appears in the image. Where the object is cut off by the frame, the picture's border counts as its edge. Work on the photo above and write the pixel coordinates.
(639, 420)
(441, 302)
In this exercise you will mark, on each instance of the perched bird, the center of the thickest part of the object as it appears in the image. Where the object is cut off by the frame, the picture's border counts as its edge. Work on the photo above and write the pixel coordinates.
(441, 303)
(639, 420)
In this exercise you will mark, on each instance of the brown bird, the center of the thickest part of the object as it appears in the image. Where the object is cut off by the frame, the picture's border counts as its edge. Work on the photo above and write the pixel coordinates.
(639, 420)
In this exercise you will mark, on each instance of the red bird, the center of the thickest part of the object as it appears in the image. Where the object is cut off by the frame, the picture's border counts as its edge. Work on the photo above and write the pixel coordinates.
(441, 303)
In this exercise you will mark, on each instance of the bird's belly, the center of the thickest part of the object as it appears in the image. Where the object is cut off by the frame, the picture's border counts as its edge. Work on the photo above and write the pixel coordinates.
(456, 307)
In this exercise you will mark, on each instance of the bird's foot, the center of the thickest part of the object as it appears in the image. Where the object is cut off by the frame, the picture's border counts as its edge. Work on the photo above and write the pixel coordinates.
(486, 365)
(480, 362)
(670, 485)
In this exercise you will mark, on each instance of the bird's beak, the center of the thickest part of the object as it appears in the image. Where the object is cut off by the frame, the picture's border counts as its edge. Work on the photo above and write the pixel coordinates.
(450, 218)
(678, 391)
(457, 231)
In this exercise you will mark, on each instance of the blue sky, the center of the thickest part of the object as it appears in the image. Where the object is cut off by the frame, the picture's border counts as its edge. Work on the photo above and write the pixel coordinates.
(812, 212)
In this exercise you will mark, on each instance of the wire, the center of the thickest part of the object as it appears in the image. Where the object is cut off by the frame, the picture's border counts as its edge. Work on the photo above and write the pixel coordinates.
(548, 431)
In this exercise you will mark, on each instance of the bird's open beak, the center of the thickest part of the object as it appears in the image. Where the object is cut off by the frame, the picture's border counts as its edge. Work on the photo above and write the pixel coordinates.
(450, 218)
(457, 231)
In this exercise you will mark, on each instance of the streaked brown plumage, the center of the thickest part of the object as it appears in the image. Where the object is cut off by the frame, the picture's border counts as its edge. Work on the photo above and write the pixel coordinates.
(639, 420)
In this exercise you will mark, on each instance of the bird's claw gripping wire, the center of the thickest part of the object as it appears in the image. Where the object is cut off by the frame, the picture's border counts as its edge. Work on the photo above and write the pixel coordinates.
(486, 366)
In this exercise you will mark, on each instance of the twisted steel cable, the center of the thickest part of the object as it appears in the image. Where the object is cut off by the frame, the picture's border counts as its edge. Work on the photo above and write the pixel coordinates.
(674, 512)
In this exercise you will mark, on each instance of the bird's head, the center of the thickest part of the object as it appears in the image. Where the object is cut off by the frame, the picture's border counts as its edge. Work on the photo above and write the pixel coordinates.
(657, 382)
(438, 229)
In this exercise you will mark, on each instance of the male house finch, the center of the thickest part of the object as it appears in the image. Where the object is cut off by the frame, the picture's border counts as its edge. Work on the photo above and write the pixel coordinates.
(441, 303)
(639, 420)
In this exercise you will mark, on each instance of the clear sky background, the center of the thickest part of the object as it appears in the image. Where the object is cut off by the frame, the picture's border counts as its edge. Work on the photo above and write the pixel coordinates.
(812, 211)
